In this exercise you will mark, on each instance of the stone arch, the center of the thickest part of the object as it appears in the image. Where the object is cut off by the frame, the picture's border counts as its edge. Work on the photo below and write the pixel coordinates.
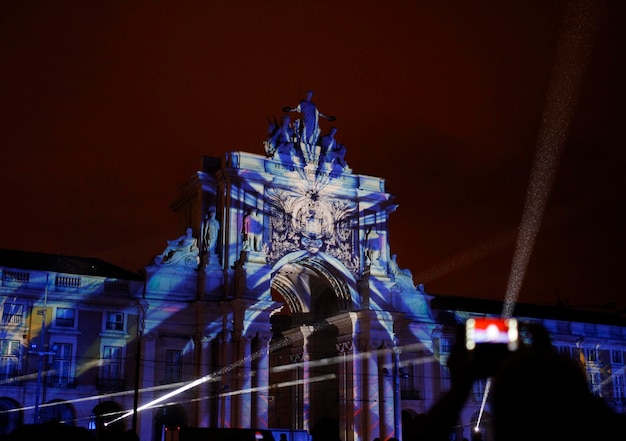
(300, 278)
(102, 414)
(10, 417)
(168, 418)
(58, 411)
(314, 288)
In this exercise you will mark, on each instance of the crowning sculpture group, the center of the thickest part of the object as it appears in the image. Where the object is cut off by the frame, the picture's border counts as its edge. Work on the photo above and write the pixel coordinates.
(297, 141)
(301, 138)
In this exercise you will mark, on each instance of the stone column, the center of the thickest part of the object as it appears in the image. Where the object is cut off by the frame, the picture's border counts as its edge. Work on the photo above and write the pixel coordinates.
(242, 374)
(145, 418)
(371, 377)
(202, 409)
(387, 401)
(225, 416)
(261, 381)
(359, 390)
(346, 387)
(304, 373)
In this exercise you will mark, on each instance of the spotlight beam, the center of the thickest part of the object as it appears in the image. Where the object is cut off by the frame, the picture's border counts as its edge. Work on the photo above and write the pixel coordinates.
(573, 51)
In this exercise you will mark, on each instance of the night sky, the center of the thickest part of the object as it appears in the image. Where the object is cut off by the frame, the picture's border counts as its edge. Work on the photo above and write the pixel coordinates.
(107, 107)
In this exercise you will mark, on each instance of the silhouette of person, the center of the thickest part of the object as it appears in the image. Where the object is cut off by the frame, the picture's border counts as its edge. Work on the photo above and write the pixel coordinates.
(309, 129)
(540, 394)
(537, 394)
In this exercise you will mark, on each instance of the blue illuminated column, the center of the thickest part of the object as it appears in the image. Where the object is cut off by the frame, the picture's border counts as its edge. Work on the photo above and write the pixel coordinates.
(397, 417)
(387, 402)
(359, 389)
(306, 386)
(243, 399)
(226, 360)
(373, 398)
(345, 348)
(147, 378)
(301, 334)
(206, 388)
(261, 380)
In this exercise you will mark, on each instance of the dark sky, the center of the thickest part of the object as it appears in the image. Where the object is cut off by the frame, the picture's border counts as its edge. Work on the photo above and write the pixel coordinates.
(107, 107)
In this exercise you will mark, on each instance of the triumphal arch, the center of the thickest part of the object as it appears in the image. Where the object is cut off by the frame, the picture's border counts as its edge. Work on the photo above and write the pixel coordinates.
(295, 309)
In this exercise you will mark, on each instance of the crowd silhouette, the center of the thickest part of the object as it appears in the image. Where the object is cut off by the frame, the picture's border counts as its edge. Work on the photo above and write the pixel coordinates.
(536, 394)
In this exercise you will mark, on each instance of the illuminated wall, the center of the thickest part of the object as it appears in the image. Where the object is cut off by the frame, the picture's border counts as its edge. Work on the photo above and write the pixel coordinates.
(278, 305)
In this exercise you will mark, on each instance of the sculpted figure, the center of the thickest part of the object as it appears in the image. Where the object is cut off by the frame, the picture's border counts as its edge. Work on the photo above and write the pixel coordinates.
(281, 139)
(178, 250)
(372, 247)
(252, 231)
(210, 230)
(333, 150)
(309, 129)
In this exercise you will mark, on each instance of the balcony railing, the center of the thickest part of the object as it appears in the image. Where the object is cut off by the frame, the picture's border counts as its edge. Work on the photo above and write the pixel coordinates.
(111, 384)
(12, 319)
(64, 322)
(15, 276)
(64, 382)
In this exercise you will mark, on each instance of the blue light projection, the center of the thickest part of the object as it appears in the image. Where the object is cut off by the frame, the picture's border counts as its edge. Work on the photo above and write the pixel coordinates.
(312, 304)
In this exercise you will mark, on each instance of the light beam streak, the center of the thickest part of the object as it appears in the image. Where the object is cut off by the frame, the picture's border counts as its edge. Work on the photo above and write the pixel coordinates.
(482, 404)
(572, 56)
(217, 377)
(277, 345)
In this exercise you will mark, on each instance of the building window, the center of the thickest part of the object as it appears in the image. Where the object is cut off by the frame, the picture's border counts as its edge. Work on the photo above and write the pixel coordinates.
(618, 389)
(594, 379)
(445, 345)
(12, 314)
(478, 389)
(565, 351)
(617, 357)
(65, 317)
(114, 321)
(409, 382)
(111, 378)
(173, 366)
(61, 366)
(9, 359)
(592, 355)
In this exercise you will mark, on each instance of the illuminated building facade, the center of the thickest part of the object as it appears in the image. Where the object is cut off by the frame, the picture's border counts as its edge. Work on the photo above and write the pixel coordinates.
(281, 306)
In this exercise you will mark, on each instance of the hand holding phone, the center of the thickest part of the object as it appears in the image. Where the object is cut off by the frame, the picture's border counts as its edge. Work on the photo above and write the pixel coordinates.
(489, 340)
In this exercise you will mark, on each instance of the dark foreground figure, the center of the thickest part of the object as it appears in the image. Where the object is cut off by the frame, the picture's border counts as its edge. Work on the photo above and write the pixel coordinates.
(49, 431)
(537, 394)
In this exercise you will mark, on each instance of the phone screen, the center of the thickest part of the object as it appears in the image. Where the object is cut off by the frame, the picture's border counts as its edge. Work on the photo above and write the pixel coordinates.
(491, 330)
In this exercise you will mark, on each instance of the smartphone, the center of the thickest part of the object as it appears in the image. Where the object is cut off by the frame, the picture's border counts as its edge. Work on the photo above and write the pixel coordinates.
(480, 331)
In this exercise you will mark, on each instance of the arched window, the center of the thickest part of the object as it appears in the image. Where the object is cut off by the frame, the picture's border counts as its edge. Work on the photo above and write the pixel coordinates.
(58, 411)
(103, 413)
(10, 418)
(168, 419)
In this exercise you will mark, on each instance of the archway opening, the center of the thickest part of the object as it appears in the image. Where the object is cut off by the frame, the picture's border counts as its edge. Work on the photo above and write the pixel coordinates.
(304, 376)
